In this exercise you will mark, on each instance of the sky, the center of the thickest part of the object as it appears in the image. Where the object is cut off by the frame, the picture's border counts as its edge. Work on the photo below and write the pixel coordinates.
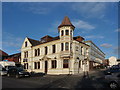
(95, 21)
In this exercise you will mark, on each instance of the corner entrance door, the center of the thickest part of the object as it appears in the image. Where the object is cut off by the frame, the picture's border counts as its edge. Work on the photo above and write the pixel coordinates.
(46, 66)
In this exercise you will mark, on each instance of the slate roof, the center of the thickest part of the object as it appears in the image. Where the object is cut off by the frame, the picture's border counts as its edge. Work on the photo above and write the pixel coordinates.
(34, 42)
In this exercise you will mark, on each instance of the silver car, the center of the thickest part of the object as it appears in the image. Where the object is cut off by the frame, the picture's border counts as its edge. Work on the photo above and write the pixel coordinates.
(113, 79)
(3, 71)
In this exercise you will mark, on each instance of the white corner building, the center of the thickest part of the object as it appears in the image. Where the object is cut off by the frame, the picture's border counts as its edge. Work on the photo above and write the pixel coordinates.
(64, 54)
(113, 61)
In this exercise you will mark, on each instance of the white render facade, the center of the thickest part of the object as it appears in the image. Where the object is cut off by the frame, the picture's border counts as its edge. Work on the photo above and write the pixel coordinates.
(64, 55)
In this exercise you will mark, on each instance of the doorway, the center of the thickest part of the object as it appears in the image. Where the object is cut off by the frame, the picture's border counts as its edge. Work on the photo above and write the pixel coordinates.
(46, 66)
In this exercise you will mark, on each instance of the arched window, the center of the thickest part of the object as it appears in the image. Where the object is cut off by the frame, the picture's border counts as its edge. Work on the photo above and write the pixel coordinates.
(26, 44)
(35, 52)
(62, 33)
(53, 48)
(46, 51)
(38, 51)
(67, 32)
(66, 46)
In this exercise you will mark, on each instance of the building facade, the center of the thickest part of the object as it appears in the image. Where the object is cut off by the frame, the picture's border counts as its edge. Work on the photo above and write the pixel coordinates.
(113, 61)
(96, 56)
(64, 54)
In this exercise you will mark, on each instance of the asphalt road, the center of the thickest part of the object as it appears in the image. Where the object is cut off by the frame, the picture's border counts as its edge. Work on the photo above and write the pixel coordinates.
(94, 81)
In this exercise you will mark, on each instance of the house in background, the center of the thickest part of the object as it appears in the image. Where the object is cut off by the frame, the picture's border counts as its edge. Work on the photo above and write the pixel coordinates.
(112, 61)
(3, 55)
(14, 57)
(64, 54)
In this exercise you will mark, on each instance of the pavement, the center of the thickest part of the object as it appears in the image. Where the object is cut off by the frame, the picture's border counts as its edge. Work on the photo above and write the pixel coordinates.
(94, 80)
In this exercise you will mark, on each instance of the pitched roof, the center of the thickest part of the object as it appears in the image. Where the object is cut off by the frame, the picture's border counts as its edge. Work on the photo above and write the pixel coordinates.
(47, 39)
(2, 53)
(66, 22)
(34, 42)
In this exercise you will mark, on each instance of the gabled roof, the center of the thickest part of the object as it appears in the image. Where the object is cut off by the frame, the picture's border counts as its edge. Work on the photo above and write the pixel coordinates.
(34, 42)
(66, 22)
(2, 53)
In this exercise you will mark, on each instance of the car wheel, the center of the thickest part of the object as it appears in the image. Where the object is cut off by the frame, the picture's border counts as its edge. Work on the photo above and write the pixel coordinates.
(17, 76)
(8, 75)
(113, 85)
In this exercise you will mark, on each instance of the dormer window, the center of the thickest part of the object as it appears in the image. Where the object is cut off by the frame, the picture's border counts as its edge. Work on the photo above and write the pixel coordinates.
(67, 32)
(26, 44)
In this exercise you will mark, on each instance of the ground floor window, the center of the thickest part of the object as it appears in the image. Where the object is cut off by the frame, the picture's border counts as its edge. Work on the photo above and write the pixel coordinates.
(25, 65)
(54, 63)
(80, 64)
(65, 63)
(36, 65)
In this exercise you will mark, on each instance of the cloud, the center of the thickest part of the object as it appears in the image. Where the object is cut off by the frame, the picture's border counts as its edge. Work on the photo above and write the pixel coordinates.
(117, 30)
(80, 24)
(9, 40)
(53, 29)
(94, 37)
(36, 7)
(94, 9)
(106, 45)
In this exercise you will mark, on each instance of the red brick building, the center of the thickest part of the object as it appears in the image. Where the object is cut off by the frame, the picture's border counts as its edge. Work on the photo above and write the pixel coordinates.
(14, 57)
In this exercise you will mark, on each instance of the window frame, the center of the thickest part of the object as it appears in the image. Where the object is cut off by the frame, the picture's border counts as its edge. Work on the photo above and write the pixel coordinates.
(65, 64)
(53, 64)
(66, 32)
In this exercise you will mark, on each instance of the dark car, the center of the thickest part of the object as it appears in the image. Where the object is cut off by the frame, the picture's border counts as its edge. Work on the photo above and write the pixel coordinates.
(17, 72)
(112, 70)
(113, 79)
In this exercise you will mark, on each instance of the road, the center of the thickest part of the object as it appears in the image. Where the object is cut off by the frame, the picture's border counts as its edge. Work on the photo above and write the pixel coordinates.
(94, 81)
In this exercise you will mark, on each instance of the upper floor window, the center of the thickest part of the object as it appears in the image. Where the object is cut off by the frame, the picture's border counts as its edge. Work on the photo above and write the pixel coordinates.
(25, 54)
(66, 46)
(65, 63)
(62, 46)
(67, 32)
(46, 51)
(38, 51)
(36, 65)
(53, 48)
(62, 33)
(26, 44)
(35, 52)
(54, 63)
(71, 32)
(81, 50)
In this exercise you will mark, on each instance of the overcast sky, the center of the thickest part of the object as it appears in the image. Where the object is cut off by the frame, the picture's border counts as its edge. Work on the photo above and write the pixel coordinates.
(93, 21)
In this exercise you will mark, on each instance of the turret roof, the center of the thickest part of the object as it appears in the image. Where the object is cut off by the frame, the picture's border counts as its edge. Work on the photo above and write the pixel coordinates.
(66, 22)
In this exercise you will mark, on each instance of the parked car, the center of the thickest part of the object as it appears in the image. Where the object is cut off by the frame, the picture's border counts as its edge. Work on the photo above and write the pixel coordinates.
(112, 70)
(3, 71)
(113, 80)
(17, 72)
